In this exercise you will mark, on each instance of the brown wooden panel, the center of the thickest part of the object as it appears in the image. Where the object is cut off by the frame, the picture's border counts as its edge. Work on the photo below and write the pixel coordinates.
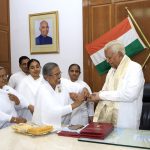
(4, 28)
(87, 63)
(6, 66)
(99, 23)
(4, 11)
(4, 46)
(121, 0)
(5, 35)
(98, 17)
(146, 71)
(141, 13)
(98, 2)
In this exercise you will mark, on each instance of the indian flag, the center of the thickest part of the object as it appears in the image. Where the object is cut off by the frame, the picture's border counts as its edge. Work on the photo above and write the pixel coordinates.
(125, 33)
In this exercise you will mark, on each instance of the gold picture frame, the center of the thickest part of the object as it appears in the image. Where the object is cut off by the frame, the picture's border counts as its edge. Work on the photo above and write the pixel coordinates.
(43, 29)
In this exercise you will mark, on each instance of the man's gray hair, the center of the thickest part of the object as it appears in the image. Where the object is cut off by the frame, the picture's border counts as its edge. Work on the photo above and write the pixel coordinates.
(115, 46)
(47, 68)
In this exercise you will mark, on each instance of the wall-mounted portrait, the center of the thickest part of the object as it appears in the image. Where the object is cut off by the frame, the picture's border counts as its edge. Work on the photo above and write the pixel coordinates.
(44, 32)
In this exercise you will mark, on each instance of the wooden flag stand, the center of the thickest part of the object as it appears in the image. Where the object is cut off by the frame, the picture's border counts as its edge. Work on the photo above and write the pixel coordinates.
(139, 29)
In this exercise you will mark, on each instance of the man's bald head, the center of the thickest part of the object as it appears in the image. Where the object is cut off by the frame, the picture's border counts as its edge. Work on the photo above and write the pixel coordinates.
(44, 28)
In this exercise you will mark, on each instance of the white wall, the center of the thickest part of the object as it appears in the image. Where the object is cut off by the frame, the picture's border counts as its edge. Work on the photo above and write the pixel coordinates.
(70, 31)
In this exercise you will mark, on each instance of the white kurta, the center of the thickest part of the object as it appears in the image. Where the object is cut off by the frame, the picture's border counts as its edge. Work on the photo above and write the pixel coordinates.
(50, 106)
(16, 78)
(28, 88)
(129, 96)
(7, 107)
(80, 114)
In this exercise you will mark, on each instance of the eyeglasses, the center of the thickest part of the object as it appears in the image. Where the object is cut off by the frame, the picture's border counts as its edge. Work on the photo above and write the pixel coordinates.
(108, 58)
(56, 74)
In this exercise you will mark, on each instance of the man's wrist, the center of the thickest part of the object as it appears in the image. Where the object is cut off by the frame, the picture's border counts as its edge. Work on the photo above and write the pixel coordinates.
(13, 120)
(76, 104)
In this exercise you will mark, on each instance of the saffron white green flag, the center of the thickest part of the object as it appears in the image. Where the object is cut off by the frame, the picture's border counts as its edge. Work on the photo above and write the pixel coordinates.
(125, 33)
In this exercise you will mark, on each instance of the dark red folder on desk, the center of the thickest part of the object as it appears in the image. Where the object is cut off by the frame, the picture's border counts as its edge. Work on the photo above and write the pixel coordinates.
(69, 134)
(93, 130)
(97, 130)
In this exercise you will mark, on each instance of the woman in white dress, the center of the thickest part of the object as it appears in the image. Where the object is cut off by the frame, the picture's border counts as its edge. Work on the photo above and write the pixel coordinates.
(29, 85)
(84, 113)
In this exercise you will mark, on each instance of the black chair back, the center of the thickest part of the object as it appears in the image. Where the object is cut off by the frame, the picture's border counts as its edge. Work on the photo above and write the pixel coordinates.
(145, 116)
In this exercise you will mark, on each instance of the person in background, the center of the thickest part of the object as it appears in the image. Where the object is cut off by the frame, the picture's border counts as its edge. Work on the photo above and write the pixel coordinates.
(16, 78)
(9, 98)
(43, 38)
(120, 100)
(53, 99)
(84, 113)
(29, 85)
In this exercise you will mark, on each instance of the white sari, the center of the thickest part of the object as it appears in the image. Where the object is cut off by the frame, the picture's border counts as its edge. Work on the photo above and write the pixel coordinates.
(28, 88)
(81, 114)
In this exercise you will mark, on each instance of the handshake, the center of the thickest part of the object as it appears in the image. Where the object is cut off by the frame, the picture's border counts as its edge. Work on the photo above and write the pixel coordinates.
(85, 96)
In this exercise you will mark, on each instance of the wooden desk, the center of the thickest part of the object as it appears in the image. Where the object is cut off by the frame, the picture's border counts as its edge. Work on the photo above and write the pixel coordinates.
(9, 140)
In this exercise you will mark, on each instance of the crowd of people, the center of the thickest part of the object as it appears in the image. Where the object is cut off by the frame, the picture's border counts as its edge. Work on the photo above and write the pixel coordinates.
(47, 98)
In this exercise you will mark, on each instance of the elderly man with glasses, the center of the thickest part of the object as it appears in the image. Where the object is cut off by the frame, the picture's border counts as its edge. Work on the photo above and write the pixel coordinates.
(9, 99)
(120, 100)
(53, 97)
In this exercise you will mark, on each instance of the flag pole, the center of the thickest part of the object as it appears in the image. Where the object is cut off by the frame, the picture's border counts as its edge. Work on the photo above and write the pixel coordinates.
(146, 60)
(145, 39)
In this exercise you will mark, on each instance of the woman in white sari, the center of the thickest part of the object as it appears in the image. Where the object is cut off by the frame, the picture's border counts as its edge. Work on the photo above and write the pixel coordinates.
(29, 85)
(84, 113)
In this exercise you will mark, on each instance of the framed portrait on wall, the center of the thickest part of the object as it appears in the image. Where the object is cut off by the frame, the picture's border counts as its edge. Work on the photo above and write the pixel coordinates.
(43, 30)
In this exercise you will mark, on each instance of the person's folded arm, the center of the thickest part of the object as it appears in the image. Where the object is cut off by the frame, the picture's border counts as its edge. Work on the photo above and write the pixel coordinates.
(5, 117)
(129, 91)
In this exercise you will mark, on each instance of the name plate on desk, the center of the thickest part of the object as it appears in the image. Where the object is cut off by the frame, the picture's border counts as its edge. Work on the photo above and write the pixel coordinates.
(125, 137)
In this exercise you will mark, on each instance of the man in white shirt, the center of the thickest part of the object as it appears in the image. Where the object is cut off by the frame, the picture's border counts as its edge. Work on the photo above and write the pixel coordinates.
(120, 100)
(16, 78)
(53, 100)
(8, 100)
